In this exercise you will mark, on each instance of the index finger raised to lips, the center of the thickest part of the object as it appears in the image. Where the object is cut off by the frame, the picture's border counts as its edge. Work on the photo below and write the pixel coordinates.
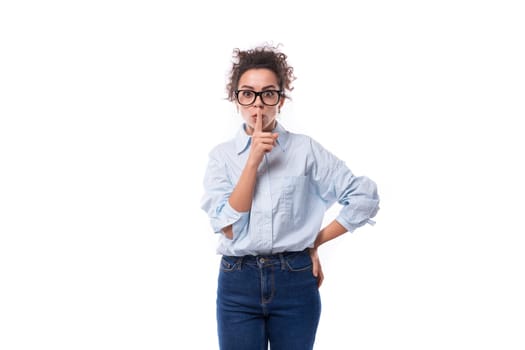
(258, 123)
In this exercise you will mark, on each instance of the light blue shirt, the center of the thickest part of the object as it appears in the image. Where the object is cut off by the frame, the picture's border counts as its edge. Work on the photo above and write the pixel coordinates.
(296, 183)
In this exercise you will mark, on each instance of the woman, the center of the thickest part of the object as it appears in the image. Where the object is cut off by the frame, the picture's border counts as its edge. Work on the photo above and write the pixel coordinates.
(266, 192)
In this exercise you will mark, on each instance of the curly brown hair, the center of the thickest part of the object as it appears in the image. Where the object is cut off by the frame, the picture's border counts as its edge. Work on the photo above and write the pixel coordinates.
(260, 57)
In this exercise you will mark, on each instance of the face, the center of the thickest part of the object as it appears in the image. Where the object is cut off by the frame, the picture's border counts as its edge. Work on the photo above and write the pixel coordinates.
(259, 79)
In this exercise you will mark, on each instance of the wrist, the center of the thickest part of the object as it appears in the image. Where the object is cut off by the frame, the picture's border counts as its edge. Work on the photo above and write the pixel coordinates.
(318, 241)
(251, 164)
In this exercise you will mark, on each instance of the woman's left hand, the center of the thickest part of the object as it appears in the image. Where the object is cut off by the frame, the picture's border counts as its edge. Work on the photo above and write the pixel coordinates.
(316, 266)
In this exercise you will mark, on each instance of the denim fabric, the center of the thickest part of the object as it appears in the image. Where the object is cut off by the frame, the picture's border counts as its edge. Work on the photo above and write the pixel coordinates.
(267, 299)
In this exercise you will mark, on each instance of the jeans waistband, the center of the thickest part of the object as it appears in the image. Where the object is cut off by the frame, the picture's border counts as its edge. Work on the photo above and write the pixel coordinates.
(267, 258)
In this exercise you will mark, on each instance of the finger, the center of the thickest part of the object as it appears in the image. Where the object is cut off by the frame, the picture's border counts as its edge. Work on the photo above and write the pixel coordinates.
(317, 271)
(258, 122)
(262, 139)
(266, 138)
(263, 143)
(275, 136)
(267, 148)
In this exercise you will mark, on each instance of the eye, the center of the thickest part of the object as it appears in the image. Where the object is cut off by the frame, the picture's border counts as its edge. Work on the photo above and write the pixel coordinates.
(269, 93)
(247, 93)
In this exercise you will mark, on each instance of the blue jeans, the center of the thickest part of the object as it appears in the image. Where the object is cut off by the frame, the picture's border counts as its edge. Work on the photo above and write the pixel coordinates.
(271, 298)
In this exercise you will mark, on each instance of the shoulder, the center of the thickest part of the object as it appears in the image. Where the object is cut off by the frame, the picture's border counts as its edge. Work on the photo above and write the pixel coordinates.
(303, 140)
(317, 151)
(220, 150)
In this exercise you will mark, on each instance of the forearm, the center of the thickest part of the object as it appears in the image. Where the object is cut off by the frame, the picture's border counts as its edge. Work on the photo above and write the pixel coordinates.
(242, 195)
(331, 231)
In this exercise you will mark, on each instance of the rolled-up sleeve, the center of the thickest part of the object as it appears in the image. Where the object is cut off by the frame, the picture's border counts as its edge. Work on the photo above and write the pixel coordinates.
(357, 194)
(360, 203)
(217, 190)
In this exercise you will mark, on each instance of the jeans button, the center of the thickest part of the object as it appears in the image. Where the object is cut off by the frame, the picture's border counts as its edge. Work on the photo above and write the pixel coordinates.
(261, 260)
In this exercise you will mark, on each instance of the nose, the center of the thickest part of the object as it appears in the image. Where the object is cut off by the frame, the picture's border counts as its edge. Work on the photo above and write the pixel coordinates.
(258, 101)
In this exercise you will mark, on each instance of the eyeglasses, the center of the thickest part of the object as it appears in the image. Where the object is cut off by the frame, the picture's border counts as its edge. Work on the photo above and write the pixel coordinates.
(268, 97)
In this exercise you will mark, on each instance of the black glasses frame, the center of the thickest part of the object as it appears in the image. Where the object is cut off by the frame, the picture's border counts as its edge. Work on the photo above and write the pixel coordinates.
(259, 94)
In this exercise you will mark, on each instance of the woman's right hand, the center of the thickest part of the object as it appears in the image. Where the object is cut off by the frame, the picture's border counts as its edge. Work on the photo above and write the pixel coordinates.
(262, 142)
(242, 195)
(228, 232)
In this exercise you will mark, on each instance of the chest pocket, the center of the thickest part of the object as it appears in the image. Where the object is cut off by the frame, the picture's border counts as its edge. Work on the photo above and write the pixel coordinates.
(294, 198)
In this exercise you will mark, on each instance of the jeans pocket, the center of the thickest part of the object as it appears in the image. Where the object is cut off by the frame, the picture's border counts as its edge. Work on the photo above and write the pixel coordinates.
(229, 263)
(299, 262)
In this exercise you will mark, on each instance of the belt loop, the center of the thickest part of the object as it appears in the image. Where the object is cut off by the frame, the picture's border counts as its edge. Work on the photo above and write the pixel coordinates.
(281, 257)
(239, 263)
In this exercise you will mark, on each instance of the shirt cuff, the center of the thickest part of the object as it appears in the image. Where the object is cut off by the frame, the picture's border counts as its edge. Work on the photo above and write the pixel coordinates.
(228, 216)
(352, 226)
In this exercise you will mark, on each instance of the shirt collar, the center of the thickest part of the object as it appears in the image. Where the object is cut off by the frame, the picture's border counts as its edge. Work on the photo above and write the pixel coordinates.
(243, 140)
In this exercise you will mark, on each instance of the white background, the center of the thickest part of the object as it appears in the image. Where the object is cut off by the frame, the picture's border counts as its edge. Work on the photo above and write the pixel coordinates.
(109, 108)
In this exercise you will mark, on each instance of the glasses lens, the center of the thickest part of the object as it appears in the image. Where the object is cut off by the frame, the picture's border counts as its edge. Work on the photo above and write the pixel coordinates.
(246, 97)
(270, 97)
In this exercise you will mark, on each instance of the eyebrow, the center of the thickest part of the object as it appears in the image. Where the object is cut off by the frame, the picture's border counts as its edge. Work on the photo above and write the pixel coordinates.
(264, 88)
